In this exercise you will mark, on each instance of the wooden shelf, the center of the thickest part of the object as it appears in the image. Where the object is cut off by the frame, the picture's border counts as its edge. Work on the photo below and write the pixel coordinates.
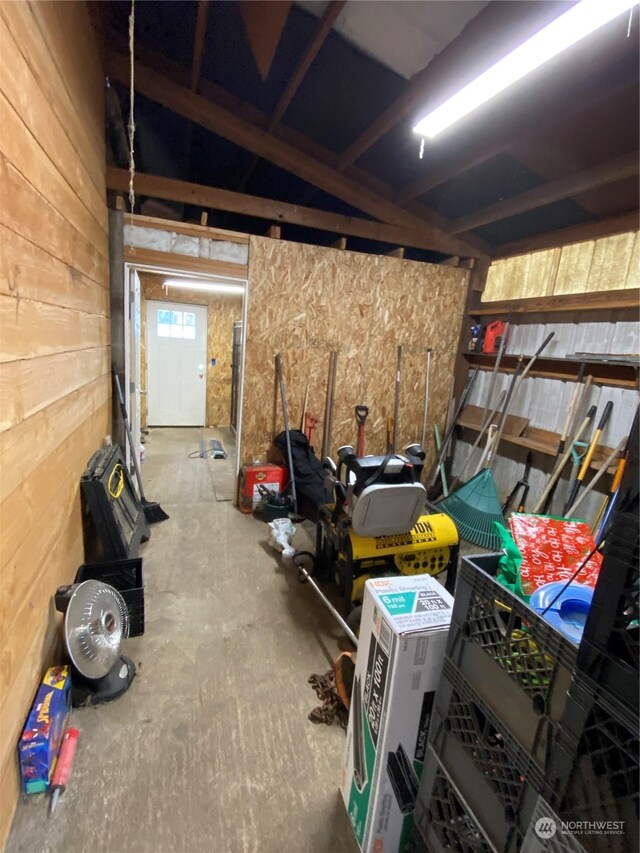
(540, 441)
(603, 373)
(601, 301)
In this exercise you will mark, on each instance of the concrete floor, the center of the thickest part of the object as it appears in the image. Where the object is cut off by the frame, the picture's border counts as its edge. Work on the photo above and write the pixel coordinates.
(211, 749)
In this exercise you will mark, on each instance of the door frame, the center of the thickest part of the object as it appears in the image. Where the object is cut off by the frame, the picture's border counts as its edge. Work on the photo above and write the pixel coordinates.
(173, 267)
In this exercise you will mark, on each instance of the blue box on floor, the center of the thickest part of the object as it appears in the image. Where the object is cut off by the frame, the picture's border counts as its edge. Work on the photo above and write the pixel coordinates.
(40, 741)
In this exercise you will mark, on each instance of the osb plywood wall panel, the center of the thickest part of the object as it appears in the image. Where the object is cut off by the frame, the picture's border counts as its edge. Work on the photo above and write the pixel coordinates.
(222, 311)
(610, 263)
(305, 301)
(54, 334)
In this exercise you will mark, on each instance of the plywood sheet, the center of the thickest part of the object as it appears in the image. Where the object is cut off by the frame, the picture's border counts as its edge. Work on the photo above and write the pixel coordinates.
(305, 301)
(222, 311)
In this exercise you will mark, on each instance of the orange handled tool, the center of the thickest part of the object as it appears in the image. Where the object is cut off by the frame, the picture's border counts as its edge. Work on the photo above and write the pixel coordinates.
(63, 766)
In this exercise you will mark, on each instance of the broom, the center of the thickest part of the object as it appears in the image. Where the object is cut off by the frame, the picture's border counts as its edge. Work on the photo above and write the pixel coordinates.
(153, 512)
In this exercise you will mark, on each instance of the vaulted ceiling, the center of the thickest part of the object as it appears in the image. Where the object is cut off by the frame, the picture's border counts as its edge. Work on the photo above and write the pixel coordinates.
(311, 105)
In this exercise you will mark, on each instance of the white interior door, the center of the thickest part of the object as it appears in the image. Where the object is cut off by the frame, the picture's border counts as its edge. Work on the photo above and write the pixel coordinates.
(176, 364)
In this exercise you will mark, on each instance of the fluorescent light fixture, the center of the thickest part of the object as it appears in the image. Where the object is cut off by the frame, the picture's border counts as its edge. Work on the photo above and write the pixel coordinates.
(581, 20)
(210, 286)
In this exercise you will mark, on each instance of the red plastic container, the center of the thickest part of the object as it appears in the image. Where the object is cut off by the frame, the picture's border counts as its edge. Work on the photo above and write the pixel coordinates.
(492, 336)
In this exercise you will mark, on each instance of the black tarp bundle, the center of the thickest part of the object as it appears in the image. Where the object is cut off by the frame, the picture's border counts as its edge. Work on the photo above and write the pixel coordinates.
(308, 471)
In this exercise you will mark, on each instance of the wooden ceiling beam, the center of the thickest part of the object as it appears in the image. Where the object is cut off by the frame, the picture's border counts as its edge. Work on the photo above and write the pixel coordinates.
(217, 95)
(198, 43)
(588, 179)
(592, 230)
(230, 126)
(170, 189)
(323, 28)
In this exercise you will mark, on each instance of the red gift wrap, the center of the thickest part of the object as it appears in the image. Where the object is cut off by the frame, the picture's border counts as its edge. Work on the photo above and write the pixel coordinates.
(552, 549)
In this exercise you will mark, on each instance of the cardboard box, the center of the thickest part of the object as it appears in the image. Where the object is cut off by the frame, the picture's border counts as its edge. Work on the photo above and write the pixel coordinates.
(40, 741)
(273, 477)
(403, 635)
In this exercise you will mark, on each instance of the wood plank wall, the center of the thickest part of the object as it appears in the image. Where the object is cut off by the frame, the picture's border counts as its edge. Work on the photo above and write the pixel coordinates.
(609, 263)
(222, 311)
(306, 300)
(54, 333)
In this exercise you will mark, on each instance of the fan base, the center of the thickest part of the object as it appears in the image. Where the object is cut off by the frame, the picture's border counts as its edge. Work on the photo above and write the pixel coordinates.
(88, 691)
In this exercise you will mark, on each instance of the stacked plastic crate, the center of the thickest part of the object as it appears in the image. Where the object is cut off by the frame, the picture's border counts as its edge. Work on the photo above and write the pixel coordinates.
(527, 730)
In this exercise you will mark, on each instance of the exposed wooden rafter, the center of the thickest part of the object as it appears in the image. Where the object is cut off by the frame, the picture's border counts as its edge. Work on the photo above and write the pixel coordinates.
(217, 95)
(323, 28)
(198, 43)
(588, 179)
(212, 198)
(230, 126)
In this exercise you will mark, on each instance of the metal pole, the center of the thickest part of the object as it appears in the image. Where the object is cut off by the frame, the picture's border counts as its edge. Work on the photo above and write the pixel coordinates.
(286, 432)
(426, 399)
(396, 404)
(329, 605)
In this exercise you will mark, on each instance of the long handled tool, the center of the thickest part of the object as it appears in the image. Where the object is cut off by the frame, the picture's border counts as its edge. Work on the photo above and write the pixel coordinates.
(615, 494)
(396, 402)
(578, 395)
(505, 411)
(523, 484)
(304, 409)
(433, 471)
(598, 475)
(361, 419)
(153, 512)
(489, 419)
(582, 473)
(443, 476)
(563, 459)
(612, 495)
(328, 409)
(285, 415)
(426, 399)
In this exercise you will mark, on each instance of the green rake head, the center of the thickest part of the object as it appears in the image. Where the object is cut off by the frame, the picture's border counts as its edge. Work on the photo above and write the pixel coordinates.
(474, 507)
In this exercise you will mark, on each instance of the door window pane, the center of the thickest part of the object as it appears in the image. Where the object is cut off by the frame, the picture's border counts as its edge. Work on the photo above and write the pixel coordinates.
(189, 319)
(176, 318)
(189, 332)
(176, 331)
(164, 330)
(164, 316)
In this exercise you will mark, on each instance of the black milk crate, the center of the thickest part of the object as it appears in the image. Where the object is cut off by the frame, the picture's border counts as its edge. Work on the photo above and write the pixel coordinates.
(609, 650)
(496, 777)
(125, 576)
(546, 835)
(518, 664)
(595, 767)
(443, 818)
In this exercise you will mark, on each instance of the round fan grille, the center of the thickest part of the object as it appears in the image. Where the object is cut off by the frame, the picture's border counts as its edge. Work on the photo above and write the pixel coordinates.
(95, 623)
